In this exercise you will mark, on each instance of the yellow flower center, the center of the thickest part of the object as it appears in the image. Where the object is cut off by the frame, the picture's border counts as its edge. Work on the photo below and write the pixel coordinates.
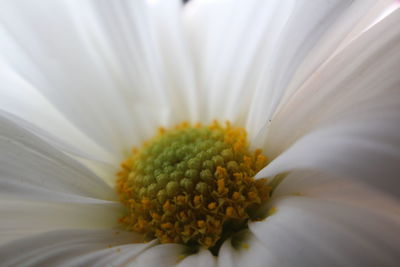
(192, 184)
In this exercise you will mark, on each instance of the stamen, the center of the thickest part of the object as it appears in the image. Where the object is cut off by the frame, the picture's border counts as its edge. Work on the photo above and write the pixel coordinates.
(192, 184)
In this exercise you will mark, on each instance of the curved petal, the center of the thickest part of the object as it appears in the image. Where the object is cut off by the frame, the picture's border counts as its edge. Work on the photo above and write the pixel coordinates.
(20, 99)
(333, 188)
(105, 72)
(180, 80)
(246, 52)
(160, 255)
(353, 22)
(74, 248)
(308, 231)
(34, 169)
(200, 259)
(305, 48)
(346, 123)
(21, 219)
(246, 251)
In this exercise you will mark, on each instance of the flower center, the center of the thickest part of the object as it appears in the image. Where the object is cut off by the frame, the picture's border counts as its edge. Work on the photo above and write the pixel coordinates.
(192, 184)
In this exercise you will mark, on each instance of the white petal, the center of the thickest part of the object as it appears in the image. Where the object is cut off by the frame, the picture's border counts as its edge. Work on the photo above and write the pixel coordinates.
(246, 52)
(248, 251)
(180, 80)
(161, 255)
(201, 259)
(349, 26)
(73, 248)
(20, 99)
(338, 189)
(21, 219)
(346, 123)
(105, 72)
(314, 232)
(33, 169)
(381, 9)
(352, 21)
(118, 256)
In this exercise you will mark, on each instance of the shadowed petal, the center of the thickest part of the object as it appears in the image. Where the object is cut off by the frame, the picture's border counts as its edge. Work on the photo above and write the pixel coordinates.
(74, 248)
(345, 120)
(100, 63)
(22, 219)
(307, 231)
(34, 169)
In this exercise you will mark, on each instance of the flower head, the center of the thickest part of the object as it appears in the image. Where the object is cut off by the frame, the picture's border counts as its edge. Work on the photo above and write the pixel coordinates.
(305, 172)
(192, 185)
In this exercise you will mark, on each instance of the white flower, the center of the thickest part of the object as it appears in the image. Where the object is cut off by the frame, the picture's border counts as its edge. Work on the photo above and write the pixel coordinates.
(81, 82)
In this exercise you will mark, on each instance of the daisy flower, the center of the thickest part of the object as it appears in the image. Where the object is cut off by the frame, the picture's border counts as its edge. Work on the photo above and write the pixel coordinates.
(219, 133)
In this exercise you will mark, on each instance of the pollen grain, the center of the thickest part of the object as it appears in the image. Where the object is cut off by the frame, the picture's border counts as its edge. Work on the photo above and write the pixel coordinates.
(191, 184)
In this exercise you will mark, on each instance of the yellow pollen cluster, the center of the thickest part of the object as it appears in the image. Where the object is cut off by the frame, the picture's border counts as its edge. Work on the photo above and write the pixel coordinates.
(190, 184)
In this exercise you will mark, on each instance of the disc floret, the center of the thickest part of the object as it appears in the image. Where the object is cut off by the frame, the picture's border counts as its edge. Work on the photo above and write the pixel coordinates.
(191, 184)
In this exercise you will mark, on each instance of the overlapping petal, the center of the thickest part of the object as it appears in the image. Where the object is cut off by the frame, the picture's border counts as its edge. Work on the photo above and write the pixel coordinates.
(345, 119)
(199, 259)
(74, 248)
(23, 103)
(245, 251)
(104, 71)
(161, 255)
(33, 169)
(324, 233)
(247, 52)
(22, 219)
(329, 221)
(42, 189)
(320, 220)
